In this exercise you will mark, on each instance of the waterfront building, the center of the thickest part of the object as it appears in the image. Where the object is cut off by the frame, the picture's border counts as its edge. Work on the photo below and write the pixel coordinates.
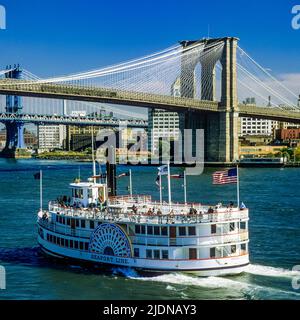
(79, 137)
(290, 136)
(261, 127)
(30, 139)
(51, 136)
(164, 124)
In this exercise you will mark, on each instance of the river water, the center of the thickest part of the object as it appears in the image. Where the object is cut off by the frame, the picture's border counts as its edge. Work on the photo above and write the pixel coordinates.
(272, 195)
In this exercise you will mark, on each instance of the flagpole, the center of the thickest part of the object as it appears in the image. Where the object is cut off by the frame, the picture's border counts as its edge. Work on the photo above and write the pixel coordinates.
(130, 182)
(238, 186)
(41, 190)
(160, 190)
(169, 185)
(93, 156)
(184, 185)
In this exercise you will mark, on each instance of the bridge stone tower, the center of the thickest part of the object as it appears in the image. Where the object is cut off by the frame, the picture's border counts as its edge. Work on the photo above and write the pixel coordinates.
(220, 129)
(14, 129)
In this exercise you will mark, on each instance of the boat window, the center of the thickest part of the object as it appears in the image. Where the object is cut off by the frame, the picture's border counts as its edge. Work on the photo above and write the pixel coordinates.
(137, 228)
(81, 245)
(156, 230)
(67, 243)
(86, 246)
(71, 243)
(192, 254)
(231, 226)
(143, 229)
(78, 193)
(77, 223)
(92, 224)
(76, 244)
(243, 247)
(243, 225)
(213, 228)
(90, 193)
(82, 223)
(149, 230)
(136, 252)
(62, 242)
(182, 231)
(212, 252)
(156, 254)
(192, 231)
(164, 231)
(68, 221)
(149, 254)
(165, 254)
(233, 248)
(219, 252)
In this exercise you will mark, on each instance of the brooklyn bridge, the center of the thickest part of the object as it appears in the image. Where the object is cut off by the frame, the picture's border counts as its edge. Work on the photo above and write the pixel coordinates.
(207, 80)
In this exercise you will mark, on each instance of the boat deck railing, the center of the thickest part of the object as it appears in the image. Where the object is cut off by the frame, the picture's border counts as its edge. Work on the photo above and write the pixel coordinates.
(154, 213)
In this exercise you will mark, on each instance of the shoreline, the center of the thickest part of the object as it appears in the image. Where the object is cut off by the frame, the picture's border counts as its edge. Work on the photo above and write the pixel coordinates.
(206, 164)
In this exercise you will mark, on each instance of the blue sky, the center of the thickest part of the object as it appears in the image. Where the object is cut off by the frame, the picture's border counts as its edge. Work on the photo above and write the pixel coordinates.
(59, 37)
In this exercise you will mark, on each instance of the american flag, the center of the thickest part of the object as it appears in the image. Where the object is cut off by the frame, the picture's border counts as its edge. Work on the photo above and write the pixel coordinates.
(225, 177)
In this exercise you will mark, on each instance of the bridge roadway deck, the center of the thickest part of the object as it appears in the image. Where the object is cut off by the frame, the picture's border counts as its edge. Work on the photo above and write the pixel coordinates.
(139, 99)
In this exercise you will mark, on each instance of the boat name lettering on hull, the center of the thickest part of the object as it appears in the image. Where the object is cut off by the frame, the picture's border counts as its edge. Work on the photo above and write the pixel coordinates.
(109, 259)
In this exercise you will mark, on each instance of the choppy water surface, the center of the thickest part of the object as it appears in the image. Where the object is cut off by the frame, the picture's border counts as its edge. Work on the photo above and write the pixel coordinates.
(272, 195)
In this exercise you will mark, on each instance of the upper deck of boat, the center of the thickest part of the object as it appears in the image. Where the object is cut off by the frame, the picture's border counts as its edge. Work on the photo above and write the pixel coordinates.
(142, 209)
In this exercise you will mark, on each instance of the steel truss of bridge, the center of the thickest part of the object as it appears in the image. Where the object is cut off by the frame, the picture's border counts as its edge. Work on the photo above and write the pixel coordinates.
(68, 120)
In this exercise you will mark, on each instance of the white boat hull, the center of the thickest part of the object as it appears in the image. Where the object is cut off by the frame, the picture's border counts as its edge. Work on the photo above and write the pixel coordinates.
(203, 267)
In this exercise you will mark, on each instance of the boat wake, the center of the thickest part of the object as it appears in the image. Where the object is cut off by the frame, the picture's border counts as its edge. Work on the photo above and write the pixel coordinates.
(235, 287)
(268, 271)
